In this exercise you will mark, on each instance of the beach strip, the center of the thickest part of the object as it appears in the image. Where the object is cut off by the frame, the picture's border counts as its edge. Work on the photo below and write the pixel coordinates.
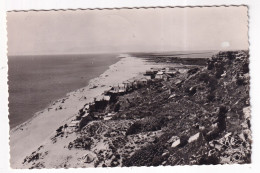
(28, 136)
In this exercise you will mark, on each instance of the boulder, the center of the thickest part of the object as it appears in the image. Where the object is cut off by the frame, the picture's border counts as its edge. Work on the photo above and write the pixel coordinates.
(227, 135)
(194, 137)
(173, 139)
(89, 158)
(176, 143)
(246, 112)
(201, 128)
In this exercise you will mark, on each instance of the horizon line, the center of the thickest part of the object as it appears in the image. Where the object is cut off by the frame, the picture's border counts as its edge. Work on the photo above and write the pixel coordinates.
(95, 53)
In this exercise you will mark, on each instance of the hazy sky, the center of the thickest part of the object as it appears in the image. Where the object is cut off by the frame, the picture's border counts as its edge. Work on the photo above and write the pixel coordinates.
(126, 30)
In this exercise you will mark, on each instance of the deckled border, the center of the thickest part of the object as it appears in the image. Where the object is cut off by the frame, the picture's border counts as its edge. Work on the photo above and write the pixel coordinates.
(128, 8)
(151, 7)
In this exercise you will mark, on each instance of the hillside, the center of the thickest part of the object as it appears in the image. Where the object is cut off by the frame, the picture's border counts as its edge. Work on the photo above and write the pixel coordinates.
(201, 115)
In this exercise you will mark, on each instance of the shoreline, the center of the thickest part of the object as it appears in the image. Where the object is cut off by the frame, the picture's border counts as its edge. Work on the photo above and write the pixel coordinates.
(121, 129)
(39, 90)
(46, 121)
(52, 101)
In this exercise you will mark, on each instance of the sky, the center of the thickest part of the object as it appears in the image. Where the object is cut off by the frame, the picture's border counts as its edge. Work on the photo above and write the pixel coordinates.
(127, 30)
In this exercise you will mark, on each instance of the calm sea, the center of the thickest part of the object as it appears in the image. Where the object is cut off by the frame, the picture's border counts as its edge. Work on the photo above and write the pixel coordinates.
(36, 81)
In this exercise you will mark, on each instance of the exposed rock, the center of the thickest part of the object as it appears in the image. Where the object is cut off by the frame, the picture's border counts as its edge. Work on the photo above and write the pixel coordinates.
(88, 158)
(247, 112)
(194, 137)
(201, 128)
(176, 143)
(173, 139)
(196, 117)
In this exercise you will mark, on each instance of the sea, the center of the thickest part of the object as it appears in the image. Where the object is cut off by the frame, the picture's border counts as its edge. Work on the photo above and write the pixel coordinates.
(37, 80)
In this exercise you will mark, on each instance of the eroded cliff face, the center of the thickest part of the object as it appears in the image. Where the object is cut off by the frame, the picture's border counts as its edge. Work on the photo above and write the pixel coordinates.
(200, 115)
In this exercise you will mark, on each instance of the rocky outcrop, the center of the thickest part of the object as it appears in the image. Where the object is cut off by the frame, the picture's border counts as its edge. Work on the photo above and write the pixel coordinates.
(201, 115)
(208, 112)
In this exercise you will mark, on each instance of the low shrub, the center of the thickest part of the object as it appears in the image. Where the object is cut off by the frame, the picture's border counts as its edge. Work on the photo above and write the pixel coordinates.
(134, 128)
(85, 121)
(212, 83)
(211, 97)
(117, 107)
(219, 72)
(245, 68)
(157, 160)
(204, 77)
(240, 81)
(193, 70)
(209, 160)
(59, 129)
(222, 118)
(145, 156)
(230, 56)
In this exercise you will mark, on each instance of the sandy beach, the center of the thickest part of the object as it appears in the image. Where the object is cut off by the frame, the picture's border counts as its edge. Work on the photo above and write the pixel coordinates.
(27, 137)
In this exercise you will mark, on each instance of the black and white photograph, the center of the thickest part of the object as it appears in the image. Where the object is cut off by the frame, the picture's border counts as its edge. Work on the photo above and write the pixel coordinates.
(129, 87)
